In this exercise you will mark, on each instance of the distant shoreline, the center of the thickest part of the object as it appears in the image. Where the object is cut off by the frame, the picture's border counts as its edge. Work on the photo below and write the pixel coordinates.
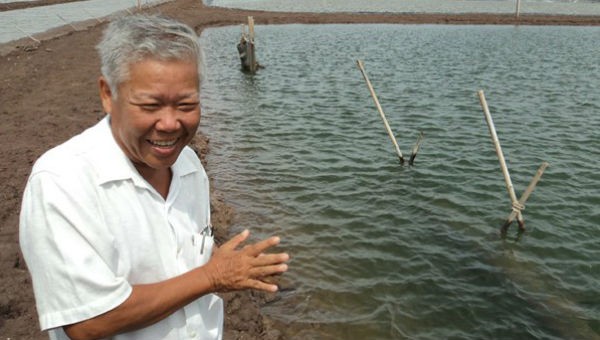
(224, 16)
(471, 18)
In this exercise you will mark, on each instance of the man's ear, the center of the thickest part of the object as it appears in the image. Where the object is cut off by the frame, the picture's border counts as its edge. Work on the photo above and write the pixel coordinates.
(105, 95)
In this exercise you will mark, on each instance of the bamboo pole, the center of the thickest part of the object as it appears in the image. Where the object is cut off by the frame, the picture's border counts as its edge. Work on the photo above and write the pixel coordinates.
(28, 35)
(525, 195)
(90, 14)
(385, 122)
(67, 22)
(507, 180)
(518, 10)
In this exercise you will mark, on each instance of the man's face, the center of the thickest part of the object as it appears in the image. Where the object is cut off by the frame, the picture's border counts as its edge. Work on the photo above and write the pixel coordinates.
(156, 112)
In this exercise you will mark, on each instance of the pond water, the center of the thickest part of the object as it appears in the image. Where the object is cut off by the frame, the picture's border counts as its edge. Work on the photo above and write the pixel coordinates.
(384, 251)
(572, 7)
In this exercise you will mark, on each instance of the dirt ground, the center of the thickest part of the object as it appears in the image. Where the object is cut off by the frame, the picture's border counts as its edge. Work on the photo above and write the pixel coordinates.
(48, 93)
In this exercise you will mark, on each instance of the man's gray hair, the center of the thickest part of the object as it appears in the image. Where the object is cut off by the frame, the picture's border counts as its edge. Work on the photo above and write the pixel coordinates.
(133, 38)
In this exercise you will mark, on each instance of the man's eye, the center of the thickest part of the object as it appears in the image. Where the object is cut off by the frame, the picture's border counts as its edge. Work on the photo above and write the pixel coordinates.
(188, 106)
(149, 107)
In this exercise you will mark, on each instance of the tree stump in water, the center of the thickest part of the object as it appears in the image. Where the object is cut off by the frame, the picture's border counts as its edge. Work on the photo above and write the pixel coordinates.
(246, 49)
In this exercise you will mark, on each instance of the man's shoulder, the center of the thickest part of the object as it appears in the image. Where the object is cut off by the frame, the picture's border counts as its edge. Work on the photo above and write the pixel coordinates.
(188, 162)
(188, 158)
(70, 156)
(189, 155)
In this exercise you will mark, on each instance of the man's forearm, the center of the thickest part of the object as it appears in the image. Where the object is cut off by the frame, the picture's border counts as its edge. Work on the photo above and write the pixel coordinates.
(147, 304)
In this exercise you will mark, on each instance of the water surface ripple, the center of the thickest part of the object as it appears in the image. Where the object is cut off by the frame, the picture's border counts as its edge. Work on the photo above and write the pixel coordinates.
(569, 7)
(383, 251)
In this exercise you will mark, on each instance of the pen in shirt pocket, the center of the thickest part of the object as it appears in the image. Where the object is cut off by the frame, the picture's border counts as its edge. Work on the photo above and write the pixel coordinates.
(207, 231)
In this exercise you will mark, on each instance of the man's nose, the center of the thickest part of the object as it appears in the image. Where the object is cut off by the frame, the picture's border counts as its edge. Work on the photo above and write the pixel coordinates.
(168, 120)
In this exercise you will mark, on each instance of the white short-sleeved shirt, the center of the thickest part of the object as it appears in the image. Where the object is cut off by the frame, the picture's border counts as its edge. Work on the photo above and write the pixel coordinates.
(91, 227)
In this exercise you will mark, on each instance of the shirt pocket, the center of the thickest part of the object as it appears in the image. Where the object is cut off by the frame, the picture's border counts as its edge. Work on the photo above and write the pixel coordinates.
(197, 250)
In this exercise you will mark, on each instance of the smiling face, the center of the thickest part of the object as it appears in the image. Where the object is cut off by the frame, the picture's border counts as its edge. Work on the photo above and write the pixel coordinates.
(156, 112)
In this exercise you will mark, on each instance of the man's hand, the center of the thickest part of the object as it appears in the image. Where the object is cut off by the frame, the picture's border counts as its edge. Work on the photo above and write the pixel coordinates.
(231, 268)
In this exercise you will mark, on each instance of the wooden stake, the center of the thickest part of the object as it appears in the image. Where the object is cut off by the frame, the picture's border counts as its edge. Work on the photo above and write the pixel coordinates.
(246, 49)
(415, 149)
(507, 180)
(251, 51)
(385, 122)
(251, 28)
(525, 195)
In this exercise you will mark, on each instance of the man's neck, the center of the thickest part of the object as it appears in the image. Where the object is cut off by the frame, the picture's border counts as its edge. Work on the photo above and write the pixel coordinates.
(159, 179)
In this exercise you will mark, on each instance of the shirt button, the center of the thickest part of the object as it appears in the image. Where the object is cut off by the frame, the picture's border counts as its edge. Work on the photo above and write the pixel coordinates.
(192, 333)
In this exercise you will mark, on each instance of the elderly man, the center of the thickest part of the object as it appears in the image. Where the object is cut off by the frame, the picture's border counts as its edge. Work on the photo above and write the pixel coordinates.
(115, 223)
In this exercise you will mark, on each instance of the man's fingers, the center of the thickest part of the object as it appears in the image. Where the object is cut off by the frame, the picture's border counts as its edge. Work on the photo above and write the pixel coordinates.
(259, 247)
(260, 285)
(235, 241)
(252, 249)
(249, 267)
(270, 259)
(265, 271)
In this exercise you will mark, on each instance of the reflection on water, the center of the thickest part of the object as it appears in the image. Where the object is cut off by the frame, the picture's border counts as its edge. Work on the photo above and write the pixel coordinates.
(385, 251)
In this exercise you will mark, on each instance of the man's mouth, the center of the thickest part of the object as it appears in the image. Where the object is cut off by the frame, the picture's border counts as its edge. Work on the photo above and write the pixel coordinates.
(163, 143)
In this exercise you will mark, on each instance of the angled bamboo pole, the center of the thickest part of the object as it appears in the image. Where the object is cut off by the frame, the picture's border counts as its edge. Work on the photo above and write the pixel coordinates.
(415, 149)
(525, 195)
(385, 122)
(518, 10)
(507, 180)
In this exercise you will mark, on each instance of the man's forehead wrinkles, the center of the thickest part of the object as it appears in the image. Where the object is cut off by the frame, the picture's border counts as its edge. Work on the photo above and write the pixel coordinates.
(161, 96)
